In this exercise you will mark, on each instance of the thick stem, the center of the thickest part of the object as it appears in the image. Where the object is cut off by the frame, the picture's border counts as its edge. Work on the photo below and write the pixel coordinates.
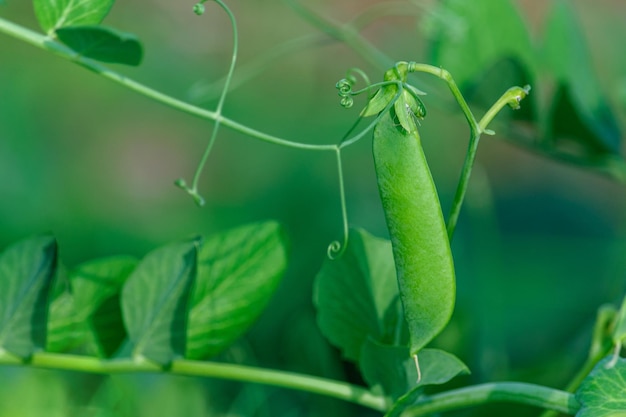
(520, 393)
(323, 386)
(516, 392)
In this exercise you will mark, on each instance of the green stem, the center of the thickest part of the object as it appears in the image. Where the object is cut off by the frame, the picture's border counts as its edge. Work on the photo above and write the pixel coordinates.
(515, 392)
(470, 156)
(520, 393)
(323, 386)
(193, 190)
(316, 385)
(336, 248)
(511, 97)
(46, 43)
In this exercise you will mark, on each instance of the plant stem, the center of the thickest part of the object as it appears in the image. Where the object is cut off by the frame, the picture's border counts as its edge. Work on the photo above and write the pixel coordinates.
(46, 43)
(470, 156)
(516, 392)
(317, 385)
(193, 190)
(336, 248)
(520, 393)
(511, 97)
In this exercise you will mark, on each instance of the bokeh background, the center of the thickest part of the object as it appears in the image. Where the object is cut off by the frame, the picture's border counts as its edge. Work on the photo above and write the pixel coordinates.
(540, 244)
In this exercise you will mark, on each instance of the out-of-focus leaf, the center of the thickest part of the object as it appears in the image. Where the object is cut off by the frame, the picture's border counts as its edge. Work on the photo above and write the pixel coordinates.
(155, 302)
(469, 36)
(54, 14)
(619, 334)
(102, 44)
(488, 86)
(602, 393)
(238, 272)
(580, 112)
(603, 335)
(27, 269)
(357, 296)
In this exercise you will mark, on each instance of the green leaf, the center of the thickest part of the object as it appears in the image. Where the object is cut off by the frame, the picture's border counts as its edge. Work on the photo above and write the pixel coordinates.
(394, 370)
(155, 302)
(357, 296)
(469, 36)
(63, 329)
(102, 44)
(238, 272)
(438, 367)
(580, 112)
(26, 272)
(602, 393)
(86, 312)
(381, 99)
(54, 14)
(96, 287)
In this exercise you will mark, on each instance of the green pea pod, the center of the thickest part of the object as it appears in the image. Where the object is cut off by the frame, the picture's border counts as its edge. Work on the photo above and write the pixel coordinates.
(421, 248)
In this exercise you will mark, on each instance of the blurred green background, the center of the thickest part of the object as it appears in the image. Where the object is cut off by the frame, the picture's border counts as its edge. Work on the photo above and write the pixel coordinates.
(540, 244)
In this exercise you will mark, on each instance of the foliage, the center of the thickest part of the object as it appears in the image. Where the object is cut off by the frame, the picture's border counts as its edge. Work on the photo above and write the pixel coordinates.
(384, 305)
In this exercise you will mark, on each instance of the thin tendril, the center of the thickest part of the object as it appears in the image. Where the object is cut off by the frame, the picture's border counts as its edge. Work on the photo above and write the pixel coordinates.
(336, 248)
(360, 73)
(352, 140)
(193, 190)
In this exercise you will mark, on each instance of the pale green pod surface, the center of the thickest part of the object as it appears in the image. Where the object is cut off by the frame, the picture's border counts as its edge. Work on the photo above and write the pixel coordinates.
(421, 248)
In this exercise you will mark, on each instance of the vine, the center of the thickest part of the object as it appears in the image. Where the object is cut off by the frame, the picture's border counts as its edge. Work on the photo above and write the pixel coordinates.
(398, 108)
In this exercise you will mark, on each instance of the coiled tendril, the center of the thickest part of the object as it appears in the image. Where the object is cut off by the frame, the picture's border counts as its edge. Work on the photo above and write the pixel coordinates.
(336, 248)
(344, 86)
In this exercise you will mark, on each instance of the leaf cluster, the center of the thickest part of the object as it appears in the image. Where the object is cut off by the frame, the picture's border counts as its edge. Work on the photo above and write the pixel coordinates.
(189, 299)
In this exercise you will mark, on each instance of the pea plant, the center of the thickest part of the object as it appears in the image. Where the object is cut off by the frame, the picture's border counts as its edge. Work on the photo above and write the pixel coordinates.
(380, 302)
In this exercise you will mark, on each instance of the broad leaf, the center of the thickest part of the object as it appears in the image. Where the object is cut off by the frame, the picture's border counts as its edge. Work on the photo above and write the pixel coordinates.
(602, 393)
(54, 14)
(86, 313)
(357, 296)
(102, 44)
(155, 302)
(238, 272)
(96, 288)
(437, 367)
(469, 36)
(580, 112)
(395, 371)
(63, 328)
(27, 269)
